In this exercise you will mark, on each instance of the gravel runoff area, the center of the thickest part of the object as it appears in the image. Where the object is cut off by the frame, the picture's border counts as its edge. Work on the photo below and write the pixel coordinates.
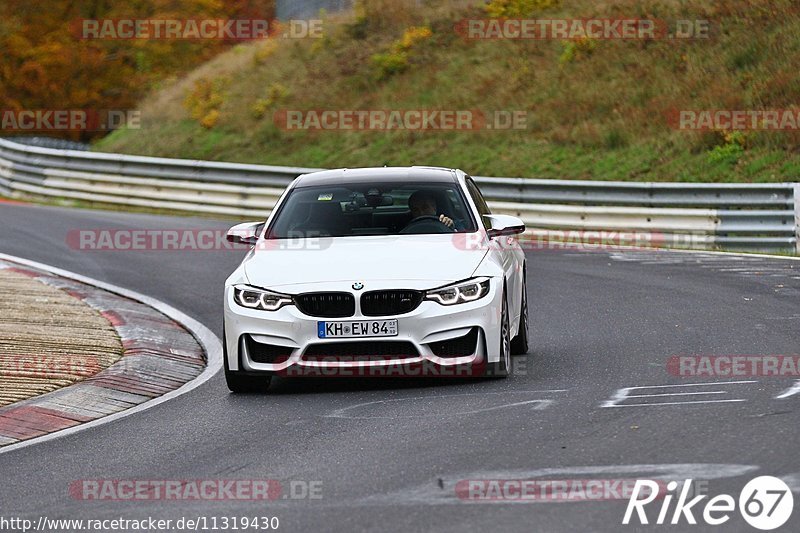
(48, 338)
(72, 353)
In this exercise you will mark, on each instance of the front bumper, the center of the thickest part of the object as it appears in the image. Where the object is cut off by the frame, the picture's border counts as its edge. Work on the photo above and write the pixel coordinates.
(428, 324)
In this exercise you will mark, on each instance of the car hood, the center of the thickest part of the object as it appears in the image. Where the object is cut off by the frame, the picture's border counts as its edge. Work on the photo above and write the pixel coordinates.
(435, 258)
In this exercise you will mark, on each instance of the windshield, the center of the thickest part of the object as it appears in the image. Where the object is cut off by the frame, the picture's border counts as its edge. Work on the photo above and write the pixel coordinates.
(375, 208)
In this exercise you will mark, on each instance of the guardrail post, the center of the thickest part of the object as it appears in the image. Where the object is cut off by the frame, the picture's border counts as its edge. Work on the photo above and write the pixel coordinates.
(797, 217)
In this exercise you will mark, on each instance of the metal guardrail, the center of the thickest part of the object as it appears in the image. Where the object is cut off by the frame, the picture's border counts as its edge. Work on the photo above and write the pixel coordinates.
(299, 9)
(725, 216)
(50, 142)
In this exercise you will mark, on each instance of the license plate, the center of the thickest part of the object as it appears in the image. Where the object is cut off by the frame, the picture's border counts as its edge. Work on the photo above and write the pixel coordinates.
(357, 328)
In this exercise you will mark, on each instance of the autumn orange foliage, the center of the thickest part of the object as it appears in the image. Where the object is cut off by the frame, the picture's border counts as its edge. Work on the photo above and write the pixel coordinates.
(44, 64)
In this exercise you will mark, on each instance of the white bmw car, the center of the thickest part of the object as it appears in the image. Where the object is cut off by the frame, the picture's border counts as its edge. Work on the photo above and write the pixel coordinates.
(357, 271)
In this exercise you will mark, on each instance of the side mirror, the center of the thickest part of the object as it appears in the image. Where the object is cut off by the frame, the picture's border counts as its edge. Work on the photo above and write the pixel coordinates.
(503, 225)
(246, 233)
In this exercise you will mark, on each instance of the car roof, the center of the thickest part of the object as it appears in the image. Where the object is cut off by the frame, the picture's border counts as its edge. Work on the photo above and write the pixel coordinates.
(385, 174)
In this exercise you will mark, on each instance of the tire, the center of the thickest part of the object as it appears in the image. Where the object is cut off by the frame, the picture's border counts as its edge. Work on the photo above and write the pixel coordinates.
(502, 368)
(239, 382)
(519, 344)
(242, 383)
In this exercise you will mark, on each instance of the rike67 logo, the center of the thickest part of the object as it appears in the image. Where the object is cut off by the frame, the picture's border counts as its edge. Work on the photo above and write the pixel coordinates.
(765, 503)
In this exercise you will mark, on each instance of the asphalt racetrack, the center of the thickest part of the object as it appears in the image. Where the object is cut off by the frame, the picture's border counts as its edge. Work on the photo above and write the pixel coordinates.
(388, 455)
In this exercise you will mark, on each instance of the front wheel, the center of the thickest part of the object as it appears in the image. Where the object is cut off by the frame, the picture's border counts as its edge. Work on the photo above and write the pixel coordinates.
(519, 344)
(502, 368)
(242, 383)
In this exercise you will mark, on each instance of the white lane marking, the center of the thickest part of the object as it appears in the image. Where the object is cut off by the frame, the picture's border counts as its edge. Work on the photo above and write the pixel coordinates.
(793, 480)
(540, 404)
(675, 394)
(621, 395)
(763, 271)
(210, 343)
(694, 384)
(658, 404)
(791, 391)
(442, 491)
(734, 254)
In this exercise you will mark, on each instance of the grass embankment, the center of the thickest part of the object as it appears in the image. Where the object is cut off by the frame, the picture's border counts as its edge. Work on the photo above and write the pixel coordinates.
(596, 109)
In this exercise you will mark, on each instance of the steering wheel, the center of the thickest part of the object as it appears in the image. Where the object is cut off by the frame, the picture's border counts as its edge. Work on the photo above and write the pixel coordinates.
(427, 224)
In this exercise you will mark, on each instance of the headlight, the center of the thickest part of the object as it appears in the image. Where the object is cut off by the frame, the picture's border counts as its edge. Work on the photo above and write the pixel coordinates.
(253, 298)
(461, 292)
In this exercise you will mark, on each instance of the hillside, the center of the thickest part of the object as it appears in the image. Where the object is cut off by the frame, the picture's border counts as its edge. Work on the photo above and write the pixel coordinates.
(595, 108)
(48, 63)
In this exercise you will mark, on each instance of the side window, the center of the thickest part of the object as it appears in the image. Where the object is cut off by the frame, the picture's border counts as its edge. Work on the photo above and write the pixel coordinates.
(480, 203)
(455, 204)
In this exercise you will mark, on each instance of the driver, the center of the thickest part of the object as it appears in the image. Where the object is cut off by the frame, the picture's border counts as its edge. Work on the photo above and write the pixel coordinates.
(422, 203)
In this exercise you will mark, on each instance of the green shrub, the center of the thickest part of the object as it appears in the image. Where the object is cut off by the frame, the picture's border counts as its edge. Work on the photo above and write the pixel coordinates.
(518, 8)
(205, 100)
(275, 93)
(396, 59)
(577, 49)
(729, 153)
(390, 63)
